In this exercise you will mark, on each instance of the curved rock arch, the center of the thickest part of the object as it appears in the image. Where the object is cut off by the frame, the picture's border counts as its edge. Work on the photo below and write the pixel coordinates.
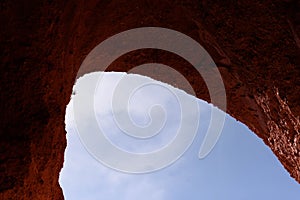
(254, 44)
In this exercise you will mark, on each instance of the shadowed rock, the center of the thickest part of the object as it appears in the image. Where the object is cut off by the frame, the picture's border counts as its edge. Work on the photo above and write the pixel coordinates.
(255, 45)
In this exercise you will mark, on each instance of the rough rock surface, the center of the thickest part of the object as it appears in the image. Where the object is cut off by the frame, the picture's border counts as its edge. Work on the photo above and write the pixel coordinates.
(254, 43)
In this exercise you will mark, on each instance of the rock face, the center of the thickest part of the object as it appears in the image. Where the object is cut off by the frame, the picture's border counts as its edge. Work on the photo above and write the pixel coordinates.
(255, 44)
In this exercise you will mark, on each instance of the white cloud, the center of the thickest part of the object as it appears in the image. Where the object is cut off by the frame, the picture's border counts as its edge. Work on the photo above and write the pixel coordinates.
(222, 175)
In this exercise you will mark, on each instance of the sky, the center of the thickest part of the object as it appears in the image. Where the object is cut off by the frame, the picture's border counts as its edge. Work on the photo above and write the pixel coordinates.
(240, 166)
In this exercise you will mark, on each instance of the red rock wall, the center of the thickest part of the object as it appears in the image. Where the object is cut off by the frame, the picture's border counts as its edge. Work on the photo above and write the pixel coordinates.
(254, 43)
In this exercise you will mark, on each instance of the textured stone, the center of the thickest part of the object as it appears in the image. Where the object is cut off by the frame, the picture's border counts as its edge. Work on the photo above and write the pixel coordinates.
(254, 43)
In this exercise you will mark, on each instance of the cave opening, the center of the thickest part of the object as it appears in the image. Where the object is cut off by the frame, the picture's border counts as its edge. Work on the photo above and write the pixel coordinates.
(44, 44)
(240, 166)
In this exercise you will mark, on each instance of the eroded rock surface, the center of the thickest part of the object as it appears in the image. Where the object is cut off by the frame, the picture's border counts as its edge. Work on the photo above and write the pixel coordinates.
(254, 43)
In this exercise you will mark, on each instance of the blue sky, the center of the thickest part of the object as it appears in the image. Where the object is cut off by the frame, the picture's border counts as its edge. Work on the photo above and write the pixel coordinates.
(240, 167)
